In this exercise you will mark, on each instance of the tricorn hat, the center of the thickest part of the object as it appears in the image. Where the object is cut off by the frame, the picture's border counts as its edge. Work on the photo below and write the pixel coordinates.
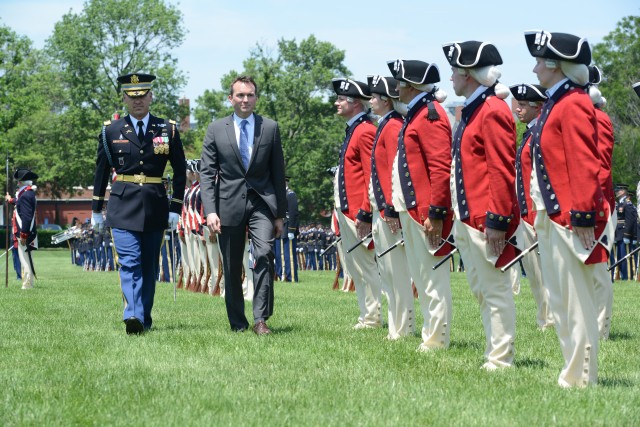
(351, 88)
(528, 92)
(558, 46)
(414, 71)
(471, 54)
(136, 84)
(385, 86)
(595, 75)
(23, 174)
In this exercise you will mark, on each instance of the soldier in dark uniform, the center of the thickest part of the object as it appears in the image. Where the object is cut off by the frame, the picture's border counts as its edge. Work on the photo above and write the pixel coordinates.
(301, 242)
(625, 231)
(286, 246)
(108, 249)
(311, 249)
(138, 147)
(321, 235)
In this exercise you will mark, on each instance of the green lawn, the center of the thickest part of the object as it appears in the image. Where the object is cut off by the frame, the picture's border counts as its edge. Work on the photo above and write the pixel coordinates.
(66, 360)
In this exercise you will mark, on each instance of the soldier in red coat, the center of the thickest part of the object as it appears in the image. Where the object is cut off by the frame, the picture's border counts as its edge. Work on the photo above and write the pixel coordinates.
(392, 266)
(572, 212)
(482, 183)
(351, 196)
(603, 279)
(529, 99)
(421, 196)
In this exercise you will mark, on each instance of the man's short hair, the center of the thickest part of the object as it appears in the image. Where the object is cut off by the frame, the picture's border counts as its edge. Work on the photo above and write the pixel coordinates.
(243, 79)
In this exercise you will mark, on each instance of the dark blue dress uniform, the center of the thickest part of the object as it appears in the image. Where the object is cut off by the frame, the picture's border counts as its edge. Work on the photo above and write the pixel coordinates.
(625, 235)
(137, 211)
(284, 248)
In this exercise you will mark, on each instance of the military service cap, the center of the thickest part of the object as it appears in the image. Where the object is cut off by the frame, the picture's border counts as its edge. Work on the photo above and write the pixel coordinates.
(558, 46)
(471, 54)
(136, 84)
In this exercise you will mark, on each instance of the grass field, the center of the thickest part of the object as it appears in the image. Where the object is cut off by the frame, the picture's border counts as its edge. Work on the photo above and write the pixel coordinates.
(66, 361)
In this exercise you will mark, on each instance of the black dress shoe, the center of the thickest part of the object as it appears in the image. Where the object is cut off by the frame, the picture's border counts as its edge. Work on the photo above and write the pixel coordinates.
(261, 328)
(238, 329)
(134, 326)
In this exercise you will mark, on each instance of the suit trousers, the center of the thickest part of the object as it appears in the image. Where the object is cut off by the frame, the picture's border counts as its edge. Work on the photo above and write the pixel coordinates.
(394, 278)
(361, 265)
(138, 257)
(434, 286)
(531, 263)
(493, 290)
(573, 304)
(259, 220)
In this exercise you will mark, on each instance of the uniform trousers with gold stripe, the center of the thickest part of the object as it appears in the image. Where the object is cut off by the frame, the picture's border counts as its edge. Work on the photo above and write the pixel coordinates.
(493, 290)
(573, 301)
(395, 279)
(362, 268)
(434, 286)
(531, 263)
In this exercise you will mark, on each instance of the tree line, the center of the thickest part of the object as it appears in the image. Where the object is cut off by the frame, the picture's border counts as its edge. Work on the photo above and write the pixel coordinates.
(54, 100)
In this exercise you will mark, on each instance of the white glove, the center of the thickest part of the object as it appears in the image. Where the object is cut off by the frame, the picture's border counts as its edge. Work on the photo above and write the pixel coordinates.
(626, 241)
(290, 236)
(97, 221)
(173, 220)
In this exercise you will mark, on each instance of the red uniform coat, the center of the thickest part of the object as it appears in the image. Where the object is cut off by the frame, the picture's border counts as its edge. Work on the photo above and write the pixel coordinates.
(523, 187)
(487, 155)
(384, 153)
(569, 147)
(427, 147)
(605, 150)
(357, 171)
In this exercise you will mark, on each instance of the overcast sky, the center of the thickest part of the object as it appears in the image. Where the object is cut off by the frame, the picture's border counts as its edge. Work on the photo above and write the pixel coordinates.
(221, 33)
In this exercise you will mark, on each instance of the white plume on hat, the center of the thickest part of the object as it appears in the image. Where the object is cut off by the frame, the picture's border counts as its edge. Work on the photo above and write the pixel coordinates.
(577, 73)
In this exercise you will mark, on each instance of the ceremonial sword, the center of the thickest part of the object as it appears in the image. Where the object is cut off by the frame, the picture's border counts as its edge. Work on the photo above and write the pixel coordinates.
(368, 236)
(621, 260)
(331, 245)
(519, 257)
(390, 248)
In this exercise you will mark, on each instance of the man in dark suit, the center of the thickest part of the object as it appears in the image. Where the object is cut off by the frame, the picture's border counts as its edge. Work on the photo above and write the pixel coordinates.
(243, 189)
(138, 147)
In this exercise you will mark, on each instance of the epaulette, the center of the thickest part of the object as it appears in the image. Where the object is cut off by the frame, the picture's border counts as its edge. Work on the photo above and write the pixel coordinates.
(173, 122)
(432, 114)
(107, 123)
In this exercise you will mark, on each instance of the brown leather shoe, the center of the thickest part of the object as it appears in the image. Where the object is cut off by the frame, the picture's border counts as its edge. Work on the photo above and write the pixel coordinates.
(261, 328)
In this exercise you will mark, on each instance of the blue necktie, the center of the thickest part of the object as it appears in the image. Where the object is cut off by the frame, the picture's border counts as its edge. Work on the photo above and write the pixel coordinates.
(244, 144)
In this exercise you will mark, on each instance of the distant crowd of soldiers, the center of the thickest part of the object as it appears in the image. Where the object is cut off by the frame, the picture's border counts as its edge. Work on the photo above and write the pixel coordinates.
(315, 250)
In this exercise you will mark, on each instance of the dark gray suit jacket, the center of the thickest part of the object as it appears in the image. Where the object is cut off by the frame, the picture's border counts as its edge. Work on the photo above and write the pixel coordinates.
(224, 180)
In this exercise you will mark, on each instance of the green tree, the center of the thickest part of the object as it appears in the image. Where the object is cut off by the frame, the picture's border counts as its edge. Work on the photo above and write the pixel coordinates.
(110, 38)
(294, 88)
(618, 57)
